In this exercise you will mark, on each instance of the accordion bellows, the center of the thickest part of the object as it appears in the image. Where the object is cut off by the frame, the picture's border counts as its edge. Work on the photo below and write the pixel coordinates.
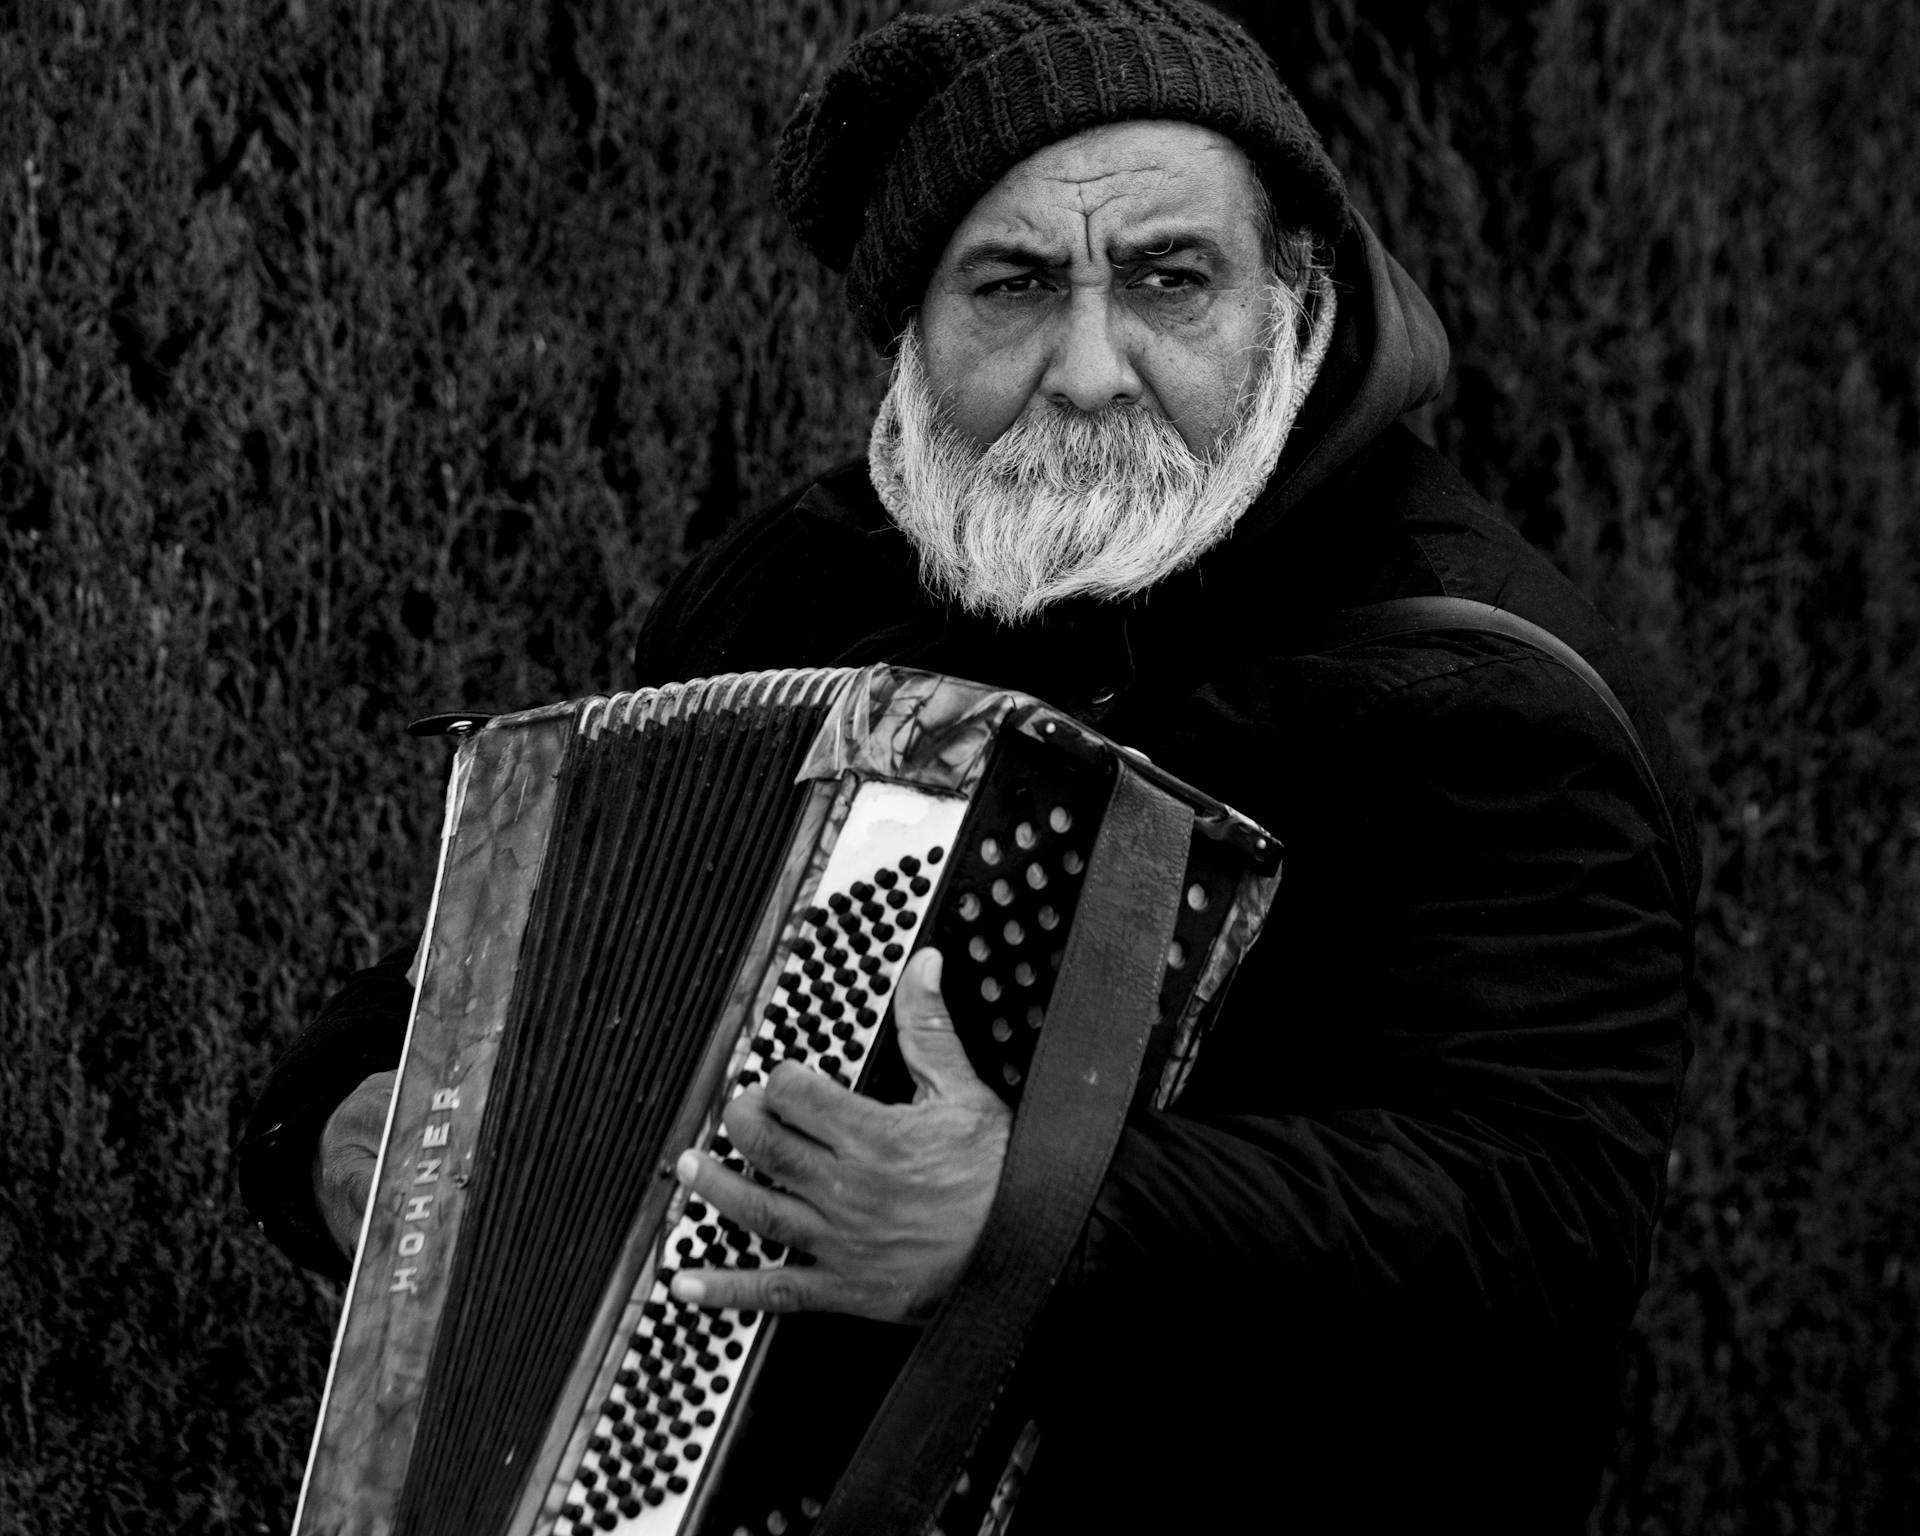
(643, 904)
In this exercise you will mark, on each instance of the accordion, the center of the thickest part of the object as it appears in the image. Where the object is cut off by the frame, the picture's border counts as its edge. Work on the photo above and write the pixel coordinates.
(643, 903)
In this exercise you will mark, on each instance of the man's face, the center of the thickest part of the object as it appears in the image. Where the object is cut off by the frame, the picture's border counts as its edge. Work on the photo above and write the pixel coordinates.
(1121, 266)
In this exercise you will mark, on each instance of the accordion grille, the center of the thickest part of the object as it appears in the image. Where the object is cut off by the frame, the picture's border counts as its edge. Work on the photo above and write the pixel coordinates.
(671, 804)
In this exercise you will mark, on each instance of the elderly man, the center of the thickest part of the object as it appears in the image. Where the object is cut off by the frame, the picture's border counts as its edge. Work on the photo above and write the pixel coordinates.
(1140, 457)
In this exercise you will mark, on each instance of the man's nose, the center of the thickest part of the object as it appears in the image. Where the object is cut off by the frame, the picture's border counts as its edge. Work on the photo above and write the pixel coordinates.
(1090, 366)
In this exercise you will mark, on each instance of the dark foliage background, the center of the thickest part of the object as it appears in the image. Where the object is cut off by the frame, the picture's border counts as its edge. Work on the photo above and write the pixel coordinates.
(360, 359)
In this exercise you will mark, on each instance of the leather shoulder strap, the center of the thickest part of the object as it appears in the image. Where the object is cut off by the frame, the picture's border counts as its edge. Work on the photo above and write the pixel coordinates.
(1431, 615)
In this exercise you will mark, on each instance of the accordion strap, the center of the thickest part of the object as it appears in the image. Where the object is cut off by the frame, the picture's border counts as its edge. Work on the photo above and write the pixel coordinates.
(1439, 615)
(1434, 615)
(1079, 1087)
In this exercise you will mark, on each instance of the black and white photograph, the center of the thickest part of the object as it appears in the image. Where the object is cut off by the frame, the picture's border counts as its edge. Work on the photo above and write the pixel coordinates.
(959, 767)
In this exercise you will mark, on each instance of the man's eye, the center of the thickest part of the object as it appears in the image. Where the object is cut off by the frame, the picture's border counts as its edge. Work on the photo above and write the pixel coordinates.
(1026, 282)
(1170, 280)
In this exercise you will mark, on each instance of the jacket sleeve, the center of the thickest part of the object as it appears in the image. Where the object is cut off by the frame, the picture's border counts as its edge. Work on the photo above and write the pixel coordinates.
(359, 1032)
(1426, 1142)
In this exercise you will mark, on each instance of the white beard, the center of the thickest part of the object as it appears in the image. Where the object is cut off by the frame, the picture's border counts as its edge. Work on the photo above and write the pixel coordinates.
(1069, 503)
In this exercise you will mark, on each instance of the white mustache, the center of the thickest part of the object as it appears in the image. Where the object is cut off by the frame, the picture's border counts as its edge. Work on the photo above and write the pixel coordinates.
(1073, 450)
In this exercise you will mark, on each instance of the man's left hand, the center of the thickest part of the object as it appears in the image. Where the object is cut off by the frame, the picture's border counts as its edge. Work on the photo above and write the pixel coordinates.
(887, 1199)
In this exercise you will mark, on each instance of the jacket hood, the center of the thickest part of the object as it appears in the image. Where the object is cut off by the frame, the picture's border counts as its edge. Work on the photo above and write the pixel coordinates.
(1389, 355)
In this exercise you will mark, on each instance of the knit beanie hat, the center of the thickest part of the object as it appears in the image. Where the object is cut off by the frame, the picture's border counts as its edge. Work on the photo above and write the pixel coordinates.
(925, 114)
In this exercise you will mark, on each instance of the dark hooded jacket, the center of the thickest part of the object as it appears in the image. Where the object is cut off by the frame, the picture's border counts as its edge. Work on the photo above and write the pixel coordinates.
(1376, 1266)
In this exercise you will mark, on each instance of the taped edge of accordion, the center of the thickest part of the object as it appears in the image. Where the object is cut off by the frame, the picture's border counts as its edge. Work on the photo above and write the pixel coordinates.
(930, 732)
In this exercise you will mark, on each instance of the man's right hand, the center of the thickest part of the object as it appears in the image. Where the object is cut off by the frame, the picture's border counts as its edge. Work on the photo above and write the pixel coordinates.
(349, 1150)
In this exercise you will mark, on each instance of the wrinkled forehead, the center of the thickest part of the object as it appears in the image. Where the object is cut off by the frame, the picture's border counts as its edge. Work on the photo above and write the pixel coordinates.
(1115, 193)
